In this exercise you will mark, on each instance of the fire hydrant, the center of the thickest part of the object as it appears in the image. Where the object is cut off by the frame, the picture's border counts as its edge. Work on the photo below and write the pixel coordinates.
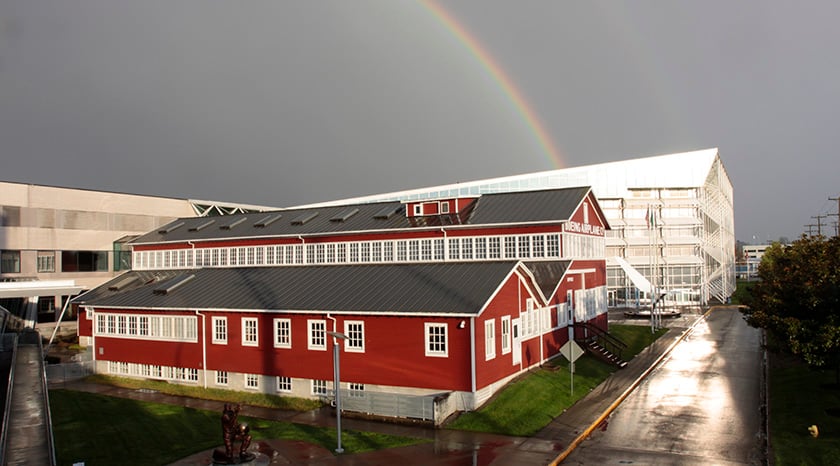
(814, 431)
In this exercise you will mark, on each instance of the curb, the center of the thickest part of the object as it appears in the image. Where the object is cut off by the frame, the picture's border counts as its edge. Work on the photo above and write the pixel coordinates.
(580, 438)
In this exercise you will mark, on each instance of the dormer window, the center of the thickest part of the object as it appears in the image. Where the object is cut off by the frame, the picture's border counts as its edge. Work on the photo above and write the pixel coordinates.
(440, 207)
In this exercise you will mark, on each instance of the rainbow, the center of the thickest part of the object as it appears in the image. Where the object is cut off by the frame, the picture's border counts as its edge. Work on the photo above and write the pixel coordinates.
(505, 82)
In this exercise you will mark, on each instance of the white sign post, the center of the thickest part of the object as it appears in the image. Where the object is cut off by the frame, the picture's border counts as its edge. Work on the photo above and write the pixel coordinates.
(571, 351)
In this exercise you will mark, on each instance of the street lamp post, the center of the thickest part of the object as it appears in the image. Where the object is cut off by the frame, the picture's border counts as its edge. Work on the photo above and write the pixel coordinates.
(337, 385)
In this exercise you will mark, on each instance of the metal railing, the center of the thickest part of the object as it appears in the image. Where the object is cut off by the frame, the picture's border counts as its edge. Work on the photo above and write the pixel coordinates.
(9, 341)
(387, 404)
(66, 372)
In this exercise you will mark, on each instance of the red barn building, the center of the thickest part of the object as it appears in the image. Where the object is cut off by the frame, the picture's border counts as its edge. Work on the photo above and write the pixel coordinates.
(442, 302)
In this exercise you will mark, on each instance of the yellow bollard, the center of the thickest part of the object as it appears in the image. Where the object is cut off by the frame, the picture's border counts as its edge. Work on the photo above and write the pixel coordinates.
(814, 431)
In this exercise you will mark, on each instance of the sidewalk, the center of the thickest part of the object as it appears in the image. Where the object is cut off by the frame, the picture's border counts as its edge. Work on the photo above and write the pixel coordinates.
(445, 447)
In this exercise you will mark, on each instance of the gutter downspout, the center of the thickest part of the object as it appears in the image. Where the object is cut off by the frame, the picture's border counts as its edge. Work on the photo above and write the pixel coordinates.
(92, 334)
(335, 323)
(193, 257)
(445, 245)
(203, 345)
(304, 259)
(472, 359)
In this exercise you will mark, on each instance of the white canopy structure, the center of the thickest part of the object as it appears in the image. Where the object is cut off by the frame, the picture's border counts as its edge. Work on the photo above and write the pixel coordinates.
(690, 193)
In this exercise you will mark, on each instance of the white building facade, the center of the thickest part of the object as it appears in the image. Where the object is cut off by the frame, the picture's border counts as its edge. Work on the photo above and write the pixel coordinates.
(56, 241)
(671, 218)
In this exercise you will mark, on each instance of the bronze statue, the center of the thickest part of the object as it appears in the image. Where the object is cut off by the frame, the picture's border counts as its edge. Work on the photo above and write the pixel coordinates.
(233, 431)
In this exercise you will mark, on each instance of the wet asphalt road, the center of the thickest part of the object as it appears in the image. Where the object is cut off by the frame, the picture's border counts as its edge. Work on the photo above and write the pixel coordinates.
(700, 407)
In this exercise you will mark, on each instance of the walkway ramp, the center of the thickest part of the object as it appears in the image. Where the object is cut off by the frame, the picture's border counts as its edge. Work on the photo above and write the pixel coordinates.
(634, 275)
(29, 439)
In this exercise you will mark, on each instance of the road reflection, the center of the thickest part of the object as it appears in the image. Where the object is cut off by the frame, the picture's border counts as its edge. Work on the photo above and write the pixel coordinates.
(701, 406)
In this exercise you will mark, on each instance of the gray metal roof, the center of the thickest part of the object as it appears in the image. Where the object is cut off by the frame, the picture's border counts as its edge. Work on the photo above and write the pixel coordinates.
(528, 206)
(449, 288)
(547, 274)
(555, 205)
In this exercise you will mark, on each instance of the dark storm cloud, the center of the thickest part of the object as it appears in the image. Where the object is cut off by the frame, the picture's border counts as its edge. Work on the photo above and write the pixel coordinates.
(281, 103)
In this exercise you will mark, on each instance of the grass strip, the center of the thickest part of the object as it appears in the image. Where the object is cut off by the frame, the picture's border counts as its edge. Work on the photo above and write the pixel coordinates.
(216, 394)
(528, 404)
(801, 397)
(103, 430)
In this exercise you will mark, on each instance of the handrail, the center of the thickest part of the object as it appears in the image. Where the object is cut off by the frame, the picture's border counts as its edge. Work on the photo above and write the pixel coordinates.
(4, 431)
(47, 414)
(605, 338)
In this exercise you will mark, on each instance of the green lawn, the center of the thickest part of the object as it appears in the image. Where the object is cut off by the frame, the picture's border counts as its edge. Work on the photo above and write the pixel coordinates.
(800, 397)
(530, 403)
(192, 391)
(102, 430)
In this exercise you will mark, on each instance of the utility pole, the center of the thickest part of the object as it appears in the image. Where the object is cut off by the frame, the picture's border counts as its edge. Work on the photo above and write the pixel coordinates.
(819, 223)
(837, 228)
(810, 227)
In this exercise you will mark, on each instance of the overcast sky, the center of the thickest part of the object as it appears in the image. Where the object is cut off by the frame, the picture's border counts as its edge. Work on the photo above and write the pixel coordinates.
(281, 103)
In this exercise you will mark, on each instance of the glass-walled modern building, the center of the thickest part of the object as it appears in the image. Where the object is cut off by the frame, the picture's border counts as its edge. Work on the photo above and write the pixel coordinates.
(671, 218)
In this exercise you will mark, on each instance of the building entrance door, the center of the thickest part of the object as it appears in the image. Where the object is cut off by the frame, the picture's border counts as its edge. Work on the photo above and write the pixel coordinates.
(516, 353)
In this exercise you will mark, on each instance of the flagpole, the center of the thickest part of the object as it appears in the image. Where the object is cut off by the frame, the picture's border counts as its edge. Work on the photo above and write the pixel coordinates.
(649, 218)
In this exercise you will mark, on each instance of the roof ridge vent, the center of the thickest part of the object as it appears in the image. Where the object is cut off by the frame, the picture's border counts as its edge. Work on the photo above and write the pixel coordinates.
(202, 226)
(174, 284)
(344, 215)
(268, 220)
(232, 224)
(303, 218)
(387, 212)
(170, 228)
(123, 282)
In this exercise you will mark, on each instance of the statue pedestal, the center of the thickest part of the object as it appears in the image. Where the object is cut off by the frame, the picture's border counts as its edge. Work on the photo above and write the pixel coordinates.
(253, 459)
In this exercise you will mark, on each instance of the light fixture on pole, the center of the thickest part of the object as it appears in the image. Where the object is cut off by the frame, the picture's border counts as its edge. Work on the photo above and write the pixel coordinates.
(337, 386)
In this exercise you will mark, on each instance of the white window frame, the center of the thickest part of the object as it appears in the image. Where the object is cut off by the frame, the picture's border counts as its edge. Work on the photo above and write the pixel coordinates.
(247, 338)
(427, 341)
(219, 339)
(283, 384)
(354, 344)
(251, 381)
(319, 387)
(278, 333)
(312, 343)
(505, 334)
(222, 378)
(489, 339)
